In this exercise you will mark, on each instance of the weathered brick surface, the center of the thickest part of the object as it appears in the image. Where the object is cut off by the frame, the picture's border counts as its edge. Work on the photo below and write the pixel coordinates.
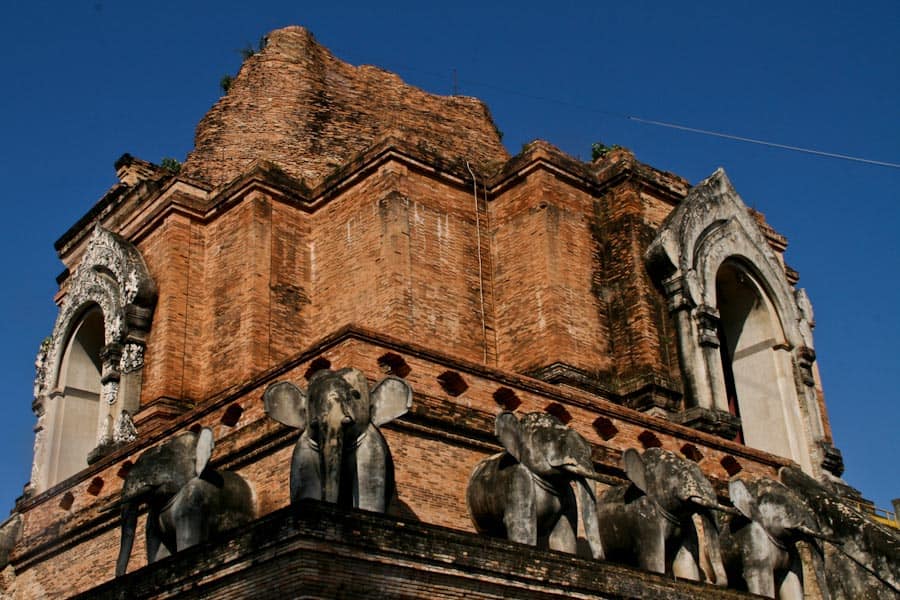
(299, 107)
(545, 265)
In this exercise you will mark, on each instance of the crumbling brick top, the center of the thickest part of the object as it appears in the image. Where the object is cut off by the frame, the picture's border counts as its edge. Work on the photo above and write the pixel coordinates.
(298, 106)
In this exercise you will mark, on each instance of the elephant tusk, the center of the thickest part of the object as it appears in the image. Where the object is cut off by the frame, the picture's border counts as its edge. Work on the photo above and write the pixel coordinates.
(727, 510)
(819, 536)
(582, 472)
(715, 506)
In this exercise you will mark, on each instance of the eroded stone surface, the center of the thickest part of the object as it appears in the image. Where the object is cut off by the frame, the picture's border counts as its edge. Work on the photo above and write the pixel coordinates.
(298, 106)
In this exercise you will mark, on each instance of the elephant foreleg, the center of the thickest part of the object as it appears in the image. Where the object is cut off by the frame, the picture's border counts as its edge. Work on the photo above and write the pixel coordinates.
(306, 472)
(652, 551)
(790, 586)
(520, 516)
(685, 565)
(373, 474)
(564, 535)
(685, 561)
(156, 548)
(191, 524)
(760, 581)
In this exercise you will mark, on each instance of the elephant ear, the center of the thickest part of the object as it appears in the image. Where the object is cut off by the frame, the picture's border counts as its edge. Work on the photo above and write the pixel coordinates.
(390, 399)
(205, 445)
(743, 499)
(635, 469)
(509, 433)
(286, 403)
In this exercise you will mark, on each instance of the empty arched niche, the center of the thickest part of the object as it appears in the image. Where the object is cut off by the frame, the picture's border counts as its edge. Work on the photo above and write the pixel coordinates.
(76, 408)
(756, 361)
(88, 377)
(743, 332)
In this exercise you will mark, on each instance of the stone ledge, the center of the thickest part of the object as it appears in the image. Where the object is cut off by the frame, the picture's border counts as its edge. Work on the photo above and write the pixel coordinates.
(710, 420)
(320, 551)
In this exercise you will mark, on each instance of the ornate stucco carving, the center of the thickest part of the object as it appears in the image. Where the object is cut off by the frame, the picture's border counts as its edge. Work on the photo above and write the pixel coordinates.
(132, 358)
(712, 225)
(112, 275)
(124, 430)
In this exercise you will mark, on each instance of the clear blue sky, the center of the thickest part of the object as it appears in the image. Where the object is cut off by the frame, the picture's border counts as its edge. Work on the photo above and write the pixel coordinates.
(86, 81)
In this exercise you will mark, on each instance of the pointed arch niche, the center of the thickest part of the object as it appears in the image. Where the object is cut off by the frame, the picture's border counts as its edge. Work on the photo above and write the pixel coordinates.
(88, 377)
(744, 333)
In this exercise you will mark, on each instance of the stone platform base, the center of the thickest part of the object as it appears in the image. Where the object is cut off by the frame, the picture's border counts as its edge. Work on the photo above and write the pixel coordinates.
(319, 551)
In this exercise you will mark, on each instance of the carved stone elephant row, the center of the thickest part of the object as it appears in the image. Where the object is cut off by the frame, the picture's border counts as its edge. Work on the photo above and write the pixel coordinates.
(525, 494)
(340, 457)
(662, 519)
(666, 518)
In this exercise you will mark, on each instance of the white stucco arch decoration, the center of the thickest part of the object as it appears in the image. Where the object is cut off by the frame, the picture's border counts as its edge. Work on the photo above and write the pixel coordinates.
(113, 276)
(711, 227)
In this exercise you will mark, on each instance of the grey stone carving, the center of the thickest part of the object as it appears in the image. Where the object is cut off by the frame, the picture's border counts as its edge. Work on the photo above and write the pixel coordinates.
(710, 228)
(650, 522)
(760, 546)
(111, 275)
(188, 502)
(525, 493)
(40, 367)
(132, 358)
(866, 562)
(124, 430)
(341, 456)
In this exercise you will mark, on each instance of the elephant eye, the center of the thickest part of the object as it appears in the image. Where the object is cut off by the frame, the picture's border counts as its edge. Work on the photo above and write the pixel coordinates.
(355, 394)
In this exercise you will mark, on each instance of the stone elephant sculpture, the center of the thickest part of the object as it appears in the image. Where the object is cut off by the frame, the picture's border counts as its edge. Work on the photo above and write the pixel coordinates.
(760, 545)
(525, 493)
(341, 456)
(649, 522)
(188, 502)
(866, 563)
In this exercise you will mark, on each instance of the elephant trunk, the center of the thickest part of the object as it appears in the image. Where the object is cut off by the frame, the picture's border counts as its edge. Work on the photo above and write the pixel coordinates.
(810, 533)
(587, 500)
(580, 471)
(129, 525)
(713, 505)
(713, 548)
(332, 456)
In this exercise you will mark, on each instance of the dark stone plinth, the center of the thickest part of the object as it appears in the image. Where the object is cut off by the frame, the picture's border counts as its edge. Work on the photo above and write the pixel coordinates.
(832, 459)
(710, 420)
(320, 551)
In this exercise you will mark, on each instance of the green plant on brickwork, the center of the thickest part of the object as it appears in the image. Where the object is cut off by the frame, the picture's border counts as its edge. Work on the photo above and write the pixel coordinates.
(173, 165)
(225, 83)
(248, 50)
(599, 149)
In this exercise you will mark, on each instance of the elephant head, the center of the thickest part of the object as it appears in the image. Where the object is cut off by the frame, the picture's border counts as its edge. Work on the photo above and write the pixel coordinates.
(652, 519)
(762, 548)
(525, 492)
(341, 456)
(187, 501)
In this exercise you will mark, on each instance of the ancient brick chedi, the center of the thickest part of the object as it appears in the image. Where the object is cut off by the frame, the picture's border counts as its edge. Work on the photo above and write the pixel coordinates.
(331, 216)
